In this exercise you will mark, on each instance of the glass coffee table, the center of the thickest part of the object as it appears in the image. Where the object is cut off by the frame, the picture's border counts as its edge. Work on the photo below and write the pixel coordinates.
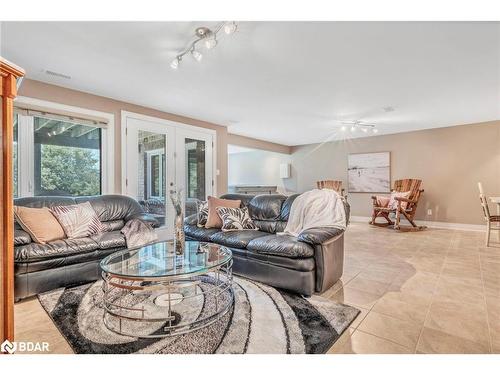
(151, 292)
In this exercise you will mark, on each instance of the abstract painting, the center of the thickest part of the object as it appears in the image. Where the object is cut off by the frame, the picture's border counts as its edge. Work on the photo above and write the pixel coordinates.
(369, 173)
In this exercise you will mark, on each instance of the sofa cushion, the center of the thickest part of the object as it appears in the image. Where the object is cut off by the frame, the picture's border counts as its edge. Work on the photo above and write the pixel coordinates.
(21, 237)
(109, 240)
(266, 206)
(214, 220)
(41, 225)
(60, 248)
(287, 206)
(281, 245)
(299, 264)
(112, 225)
(199, 234)
(238, 238)
(78, 220)
(270, 226)
(235, 219)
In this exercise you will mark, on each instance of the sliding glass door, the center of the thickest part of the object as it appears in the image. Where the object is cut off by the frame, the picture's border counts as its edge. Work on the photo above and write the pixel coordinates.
(161, 157)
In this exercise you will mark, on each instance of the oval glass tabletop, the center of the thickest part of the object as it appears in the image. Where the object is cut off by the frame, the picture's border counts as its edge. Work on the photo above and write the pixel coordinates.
(159, 260)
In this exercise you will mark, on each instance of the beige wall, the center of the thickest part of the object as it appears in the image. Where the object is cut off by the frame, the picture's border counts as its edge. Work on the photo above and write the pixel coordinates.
(450, 161)
(44, 91)
(239, 140)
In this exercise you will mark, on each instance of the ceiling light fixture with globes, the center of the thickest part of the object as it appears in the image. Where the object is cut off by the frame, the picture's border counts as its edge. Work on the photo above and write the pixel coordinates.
(358, 125)
(209, 39)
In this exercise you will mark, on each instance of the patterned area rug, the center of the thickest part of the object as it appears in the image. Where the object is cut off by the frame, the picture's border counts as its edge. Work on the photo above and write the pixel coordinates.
(263, 320)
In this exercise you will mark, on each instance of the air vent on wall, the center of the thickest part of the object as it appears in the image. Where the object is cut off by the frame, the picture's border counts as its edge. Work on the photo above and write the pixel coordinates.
(55, 74)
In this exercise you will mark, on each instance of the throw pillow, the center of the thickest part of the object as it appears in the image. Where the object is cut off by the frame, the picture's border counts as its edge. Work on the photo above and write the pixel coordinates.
(41, 225)
(214, 220)
(235, 219)
(393, 203)
(78, 220)
(202, 212)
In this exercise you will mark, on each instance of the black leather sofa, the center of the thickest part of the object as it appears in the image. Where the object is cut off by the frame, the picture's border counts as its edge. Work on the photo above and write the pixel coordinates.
(310, 263)
(39, 268)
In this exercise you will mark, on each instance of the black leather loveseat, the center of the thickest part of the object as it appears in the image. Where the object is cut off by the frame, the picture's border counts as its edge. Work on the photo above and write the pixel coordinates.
(311, 263)
(39, 268)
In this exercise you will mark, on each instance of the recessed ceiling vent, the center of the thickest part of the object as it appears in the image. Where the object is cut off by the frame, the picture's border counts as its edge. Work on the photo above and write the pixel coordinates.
(58, 75)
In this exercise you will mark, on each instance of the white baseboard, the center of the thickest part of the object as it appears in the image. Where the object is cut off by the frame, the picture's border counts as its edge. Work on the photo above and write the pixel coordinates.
(430, 224)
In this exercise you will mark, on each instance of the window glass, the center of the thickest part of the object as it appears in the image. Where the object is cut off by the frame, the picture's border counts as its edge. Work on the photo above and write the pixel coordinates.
(195, 169)
(67, 158)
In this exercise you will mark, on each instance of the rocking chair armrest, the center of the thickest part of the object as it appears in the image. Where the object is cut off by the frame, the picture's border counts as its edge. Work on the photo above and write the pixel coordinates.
(401, 199)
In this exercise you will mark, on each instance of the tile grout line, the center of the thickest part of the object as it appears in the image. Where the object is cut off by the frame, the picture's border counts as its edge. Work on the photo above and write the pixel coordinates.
(486, 305)
(433, 293)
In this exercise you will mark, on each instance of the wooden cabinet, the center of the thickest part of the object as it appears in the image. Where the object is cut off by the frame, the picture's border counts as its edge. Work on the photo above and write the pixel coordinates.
(9, 74)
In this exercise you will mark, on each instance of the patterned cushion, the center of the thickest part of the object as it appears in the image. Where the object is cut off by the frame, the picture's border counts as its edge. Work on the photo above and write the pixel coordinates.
(393, 203)
(202, 212)
(235, 219)
(78, 220)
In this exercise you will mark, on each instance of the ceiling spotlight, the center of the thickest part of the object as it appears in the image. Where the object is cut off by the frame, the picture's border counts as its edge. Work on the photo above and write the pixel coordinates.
(375, 130)
(230, 28)
(343, 128)
(175, 63)
(197, 55)
(364, 130)
(210, 43)
(353, 128)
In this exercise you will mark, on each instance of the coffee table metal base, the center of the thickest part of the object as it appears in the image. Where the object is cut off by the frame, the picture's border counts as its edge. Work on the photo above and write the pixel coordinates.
(156, 308)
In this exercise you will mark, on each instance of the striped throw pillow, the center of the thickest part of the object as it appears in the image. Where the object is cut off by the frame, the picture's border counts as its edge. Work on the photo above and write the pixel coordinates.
(78, 220)
(235, 219)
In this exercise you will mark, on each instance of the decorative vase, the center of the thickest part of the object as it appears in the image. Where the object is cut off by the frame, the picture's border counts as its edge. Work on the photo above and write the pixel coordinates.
(179, 237)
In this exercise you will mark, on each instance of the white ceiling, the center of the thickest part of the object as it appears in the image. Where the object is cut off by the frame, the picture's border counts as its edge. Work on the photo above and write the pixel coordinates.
(285, 82)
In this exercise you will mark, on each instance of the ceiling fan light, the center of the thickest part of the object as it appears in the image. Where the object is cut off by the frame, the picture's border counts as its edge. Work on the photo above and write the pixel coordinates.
(230, 28)
(210, 43)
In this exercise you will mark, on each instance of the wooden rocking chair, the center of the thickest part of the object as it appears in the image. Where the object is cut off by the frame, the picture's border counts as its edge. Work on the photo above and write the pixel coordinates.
(405, 206)
(333, 185)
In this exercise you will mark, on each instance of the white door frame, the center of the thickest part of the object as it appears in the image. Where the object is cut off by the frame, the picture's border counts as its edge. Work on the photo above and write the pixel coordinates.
(172, 129)
(123, 137)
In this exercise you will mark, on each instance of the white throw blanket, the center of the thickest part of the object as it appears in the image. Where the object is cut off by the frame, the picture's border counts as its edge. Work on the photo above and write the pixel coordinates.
(316, 208)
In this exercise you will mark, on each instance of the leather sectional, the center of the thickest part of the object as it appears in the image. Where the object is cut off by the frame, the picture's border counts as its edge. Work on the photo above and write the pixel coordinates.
(39, 268)
(307, 264)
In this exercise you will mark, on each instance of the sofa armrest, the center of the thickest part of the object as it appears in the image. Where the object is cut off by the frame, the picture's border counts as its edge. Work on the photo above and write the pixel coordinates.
(191, 220)
(150, 219)
(328, 244)
(318, 236)
(21, 237)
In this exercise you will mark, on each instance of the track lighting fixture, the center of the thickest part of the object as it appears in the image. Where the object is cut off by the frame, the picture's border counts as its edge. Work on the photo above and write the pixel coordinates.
(355, 125)
(209, 39)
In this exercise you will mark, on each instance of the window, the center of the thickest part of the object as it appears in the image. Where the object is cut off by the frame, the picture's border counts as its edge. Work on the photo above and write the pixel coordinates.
(156, 171)
(195, 169)
(57, 155)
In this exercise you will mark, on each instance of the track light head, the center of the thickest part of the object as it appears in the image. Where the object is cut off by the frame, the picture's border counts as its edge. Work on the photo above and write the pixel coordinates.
(175, 63)
(230, 28)
(196, 55)
(211, 42)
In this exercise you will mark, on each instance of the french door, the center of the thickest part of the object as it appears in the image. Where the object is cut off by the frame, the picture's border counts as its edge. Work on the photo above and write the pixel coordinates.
(162, 156)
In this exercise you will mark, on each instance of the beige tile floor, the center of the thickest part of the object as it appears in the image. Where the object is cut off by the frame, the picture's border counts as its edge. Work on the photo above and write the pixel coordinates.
(435, 291)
